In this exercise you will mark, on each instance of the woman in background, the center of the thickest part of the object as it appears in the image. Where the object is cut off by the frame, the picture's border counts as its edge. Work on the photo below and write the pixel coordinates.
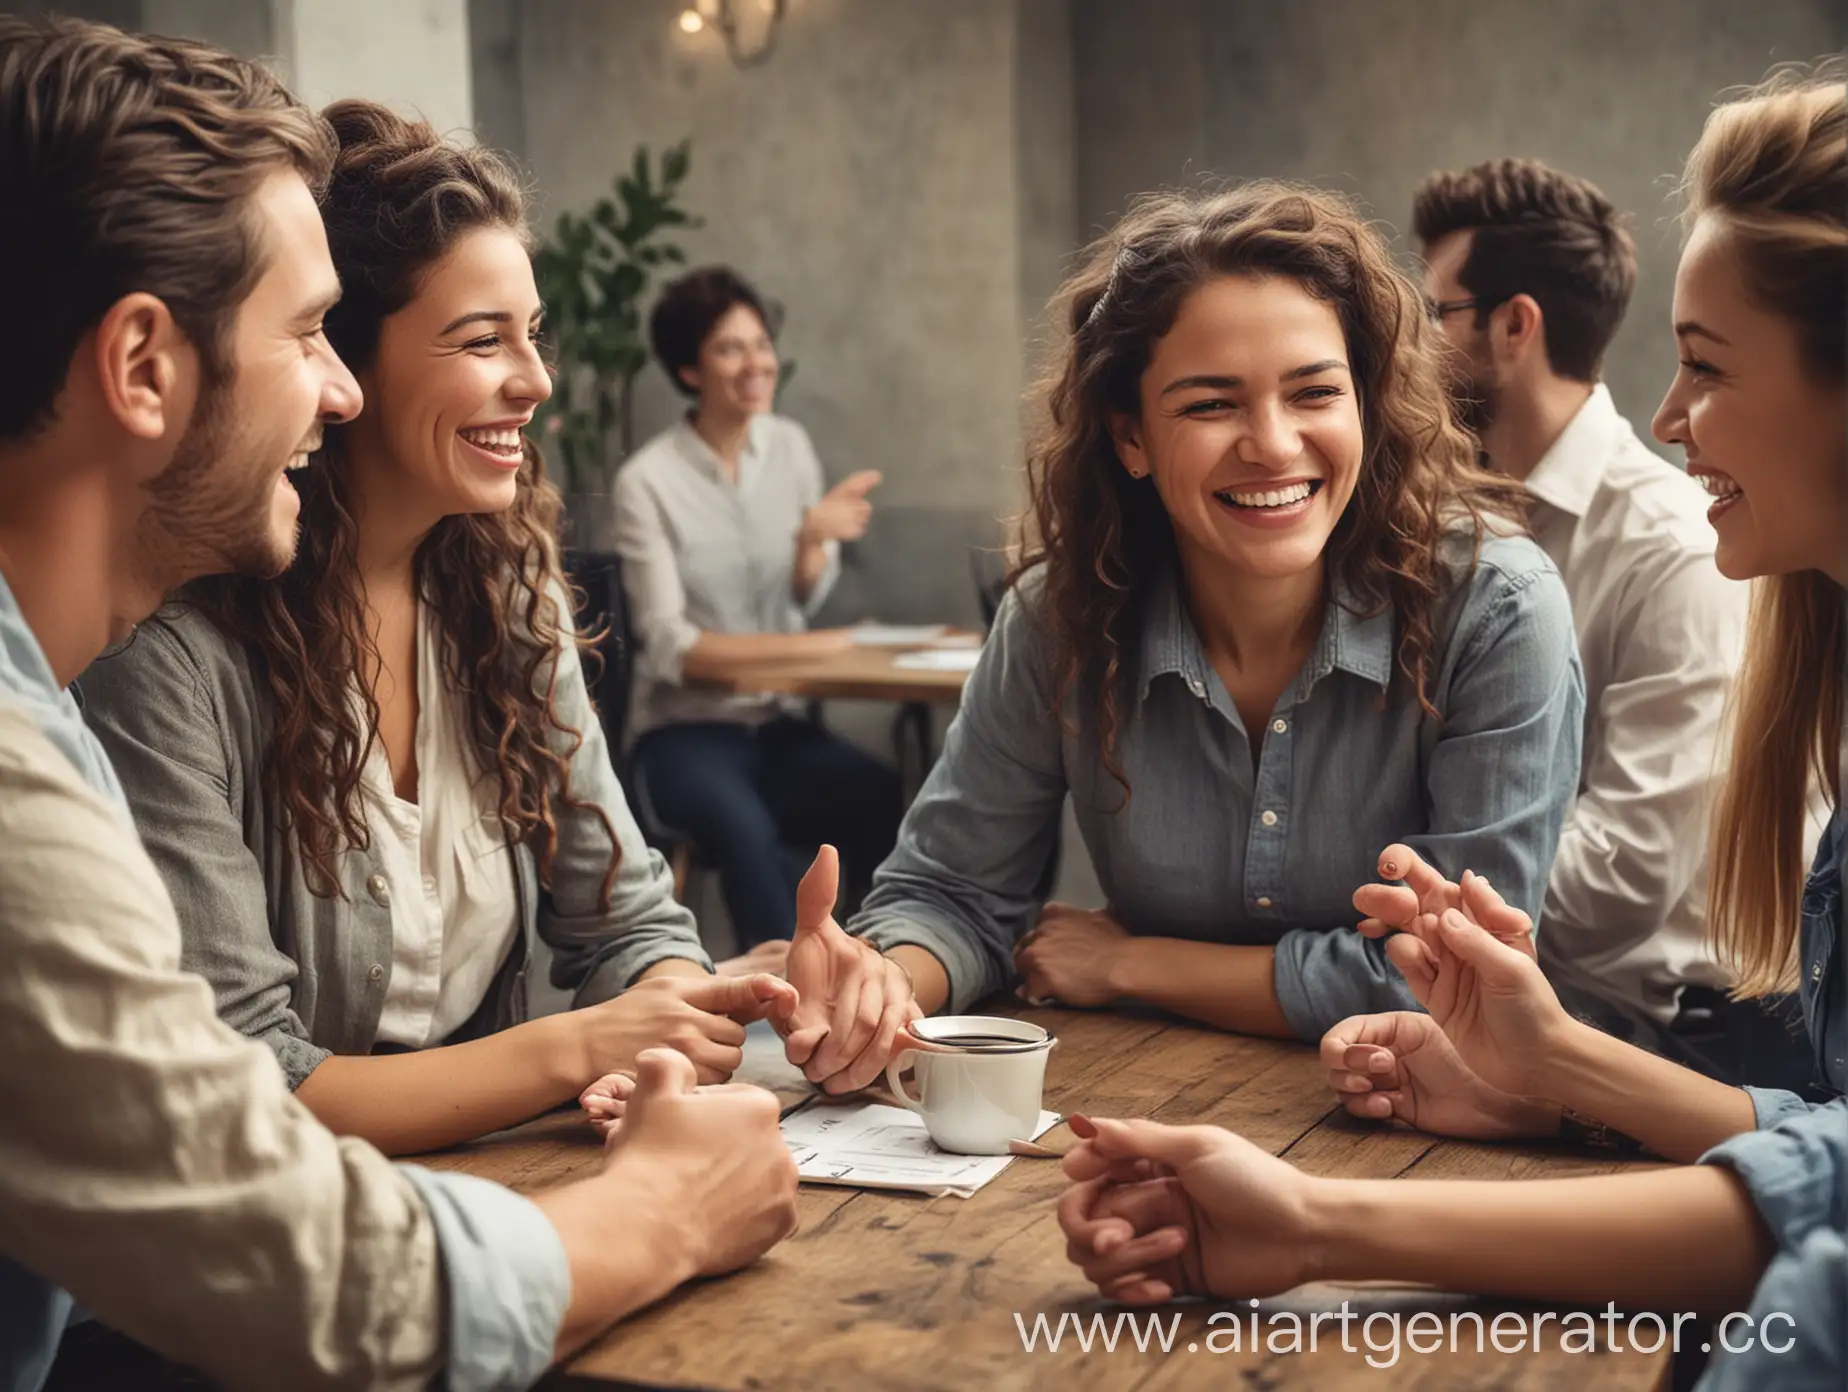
(730, 545)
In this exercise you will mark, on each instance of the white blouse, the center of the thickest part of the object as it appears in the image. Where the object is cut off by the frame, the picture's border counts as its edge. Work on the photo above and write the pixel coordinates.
(454, 902)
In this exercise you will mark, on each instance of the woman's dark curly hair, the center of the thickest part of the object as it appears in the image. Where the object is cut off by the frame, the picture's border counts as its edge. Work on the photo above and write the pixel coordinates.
(399, 200)
(1103, 536)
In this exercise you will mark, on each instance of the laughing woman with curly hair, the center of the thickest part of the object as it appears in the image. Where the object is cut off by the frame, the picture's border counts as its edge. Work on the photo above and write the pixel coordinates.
(1272, 609)
(370, 782)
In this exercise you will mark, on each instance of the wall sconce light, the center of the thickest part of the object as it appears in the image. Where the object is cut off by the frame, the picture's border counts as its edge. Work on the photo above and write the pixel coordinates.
(723, 16)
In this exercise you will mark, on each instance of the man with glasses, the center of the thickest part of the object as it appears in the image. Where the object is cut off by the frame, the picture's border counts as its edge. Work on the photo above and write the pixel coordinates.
(1528, 272)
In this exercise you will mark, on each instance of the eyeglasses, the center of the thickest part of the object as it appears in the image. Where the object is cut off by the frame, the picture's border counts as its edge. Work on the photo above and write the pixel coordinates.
(1435, 310)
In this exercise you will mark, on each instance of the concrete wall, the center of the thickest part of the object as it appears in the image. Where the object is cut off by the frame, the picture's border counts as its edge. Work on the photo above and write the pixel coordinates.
(413, 55)
(1369, 95)
(870, 178)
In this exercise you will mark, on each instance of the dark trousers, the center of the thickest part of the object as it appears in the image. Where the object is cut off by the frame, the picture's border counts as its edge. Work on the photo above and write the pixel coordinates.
(744, 794)
(1759, 1042)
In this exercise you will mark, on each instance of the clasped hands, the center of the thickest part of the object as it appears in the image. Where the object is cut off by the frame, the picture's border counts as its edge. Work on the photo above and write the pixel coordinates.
(843, 1011)
(1474, 1065)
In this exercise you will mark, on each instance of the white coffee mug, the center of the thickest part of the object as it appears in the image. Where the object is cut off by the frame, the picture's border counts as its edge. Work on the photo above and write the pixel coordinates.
(980, 1078)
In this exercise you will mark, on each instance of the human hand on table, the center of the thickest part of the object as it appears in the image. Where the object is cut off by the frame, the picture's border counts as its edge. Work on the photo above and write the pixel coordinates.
(1402, 1066)
(710, 1161)
(843, 512)
(701, 1016)
(1156, 1212)
(1071, 956)
(1483, 988)
(855, 1002)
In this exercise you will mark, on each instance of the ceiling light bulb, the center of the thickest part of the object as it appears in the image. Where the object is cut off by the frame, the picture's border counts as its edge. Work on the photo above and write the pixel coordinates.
(690, 22)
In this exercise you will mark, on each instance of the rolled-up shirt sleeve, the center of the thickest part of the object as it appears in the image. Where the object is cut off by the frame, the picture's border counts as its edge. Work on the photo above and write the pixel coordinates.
(963, 881)
(508, 1280)
(651, 581)
(154, 1164)
(1498, 781)
(1797, 1176)
(1321, 978)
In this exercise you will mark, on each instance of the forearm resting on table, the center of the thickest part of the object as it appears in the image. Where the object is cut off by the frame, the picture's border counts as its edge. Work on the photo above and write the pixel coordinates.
(1227, 986)
(930, 983)
(430, 1098)
(1671, 1239)
(716, 656)
(1676, 1112)
(622, 1257)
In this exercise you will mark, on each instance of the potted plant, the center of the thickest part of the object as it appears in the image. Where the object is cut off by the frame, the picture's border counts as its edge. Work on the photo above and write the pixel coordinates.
(592, 274)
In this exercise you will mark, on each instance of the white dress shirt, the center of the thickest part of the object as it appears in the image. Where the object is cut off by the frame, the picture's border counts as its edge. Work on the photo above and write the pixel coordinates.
(701, 553)
(1660, 634)
(455, 908)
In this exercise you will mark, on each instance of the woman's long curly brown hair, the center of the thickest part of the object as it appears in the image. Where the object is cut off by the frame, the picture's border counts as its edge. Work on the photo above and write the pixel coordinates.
(1103, 536)
(399, 200)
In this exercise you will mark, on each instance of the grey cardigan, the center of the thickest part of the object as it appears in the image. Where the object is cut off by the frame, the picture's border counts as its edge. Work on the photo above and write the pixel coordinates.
(188, 727)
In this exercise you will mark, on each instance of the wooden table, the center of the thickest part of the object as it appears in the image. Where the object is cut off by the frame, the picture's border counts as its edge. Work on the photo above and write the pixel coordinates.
(857, 674)
(881, 1290)
(867, 674)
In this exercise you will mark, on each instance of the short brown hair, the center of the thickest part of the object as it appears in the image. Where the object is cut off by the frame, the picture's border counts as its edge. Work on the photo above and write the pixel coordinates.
(128, 163)
(1543, 233)
(689, 308)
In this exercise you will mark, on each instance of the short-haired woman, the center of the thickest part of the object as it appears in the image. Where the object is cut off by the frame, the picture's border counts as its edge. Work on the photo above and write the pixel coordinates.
(729, 541)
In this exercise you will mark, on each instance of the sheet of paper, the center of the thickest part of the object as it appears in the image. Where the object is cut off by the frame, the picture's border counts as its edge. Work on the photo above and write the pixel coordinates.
(875, 635)
(869, 1146)
(939, 660)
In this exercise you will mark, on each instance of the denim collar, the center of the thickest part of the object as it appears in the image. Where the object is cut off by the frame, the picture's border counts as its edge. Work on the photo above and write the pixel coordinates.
(1349, 641)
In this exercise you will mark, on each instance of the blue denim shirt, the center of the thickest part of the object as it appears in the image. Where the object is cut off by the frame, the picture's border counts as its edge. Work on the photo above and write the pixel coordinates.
(506, 1275)
(1797, 1169)
(1207, 849)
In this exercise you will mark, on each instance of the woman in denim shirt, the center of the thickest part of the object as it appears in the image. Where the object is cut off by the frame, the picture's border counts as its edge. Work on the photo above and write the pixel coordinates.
(1757, 1227)
(1274, 610)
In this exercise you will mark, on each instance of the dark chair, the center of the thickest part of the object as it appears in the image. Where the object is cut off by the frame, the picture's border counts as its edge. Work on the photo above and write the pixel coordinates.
(605, 610)
(988, 568)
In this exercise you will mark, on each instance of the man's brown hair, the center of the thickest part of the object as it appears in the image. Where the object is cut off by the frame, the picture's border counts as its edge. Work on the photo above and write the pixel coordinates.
(128, 163)
(1542, 233)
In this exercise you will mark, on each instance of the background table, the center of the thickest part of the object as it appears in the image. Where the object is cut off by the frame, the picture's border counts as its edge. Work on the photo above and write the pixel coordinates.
(865, 674)
(881, 1290)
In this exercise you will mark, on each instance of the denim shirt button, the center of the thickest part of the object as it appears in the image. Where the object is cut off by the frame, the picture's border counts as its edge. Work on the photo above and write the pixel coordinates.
(380, 891)
(375, 972)
(1279, 726)
(1269, 818)
(1264, 901)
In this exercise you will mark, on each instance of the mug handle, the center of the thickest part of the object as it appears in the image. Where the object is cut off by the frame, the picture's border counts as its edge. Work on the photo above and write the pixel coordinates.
(900, 1062)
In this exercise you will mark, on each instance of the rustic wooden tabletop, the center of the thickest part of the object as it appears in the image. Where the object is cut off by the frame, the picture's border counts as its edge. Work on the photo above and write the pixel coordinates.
(894, 1291)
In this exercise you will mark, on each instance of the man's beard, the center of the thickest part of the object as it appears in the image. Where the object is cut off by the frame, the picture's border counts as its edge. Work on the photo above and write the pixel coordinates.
(209, 510)
(1473, 400)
